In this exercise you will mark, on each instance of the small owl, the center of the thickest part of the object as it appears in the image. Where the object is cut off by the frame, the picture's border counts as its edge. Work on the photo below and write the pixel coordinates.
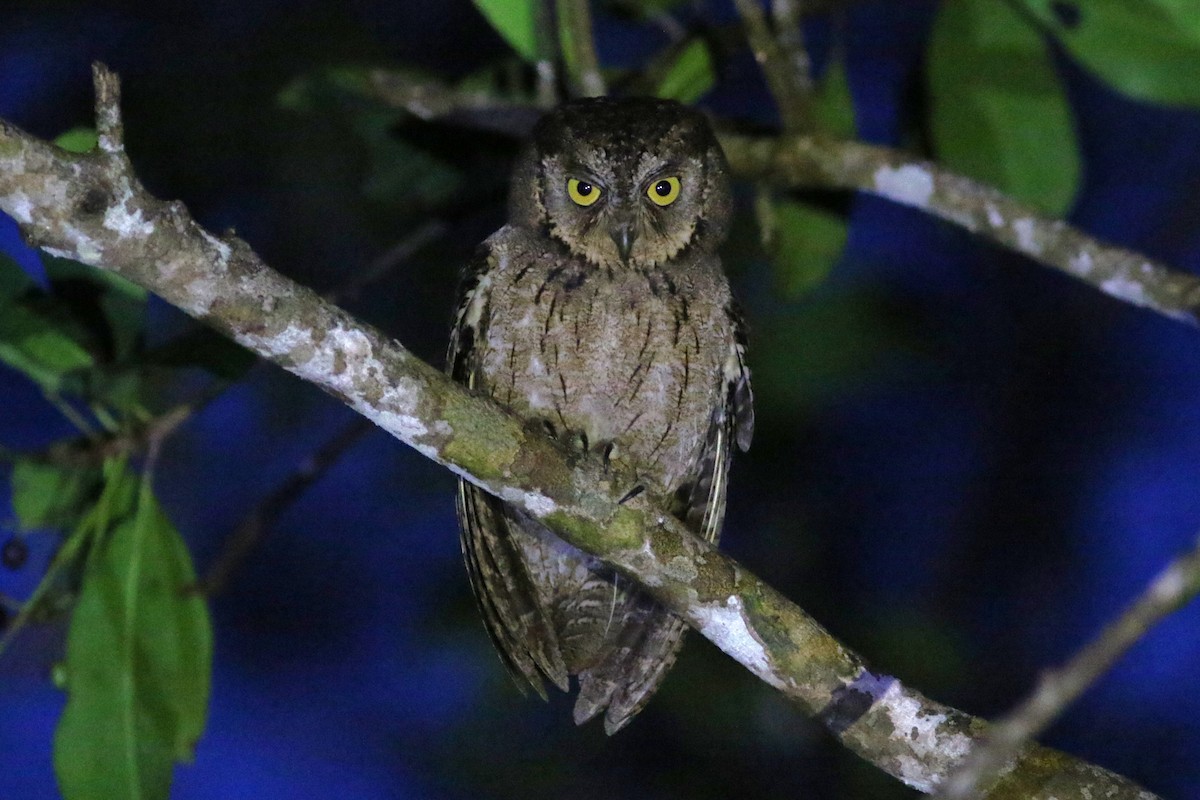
(601, 312)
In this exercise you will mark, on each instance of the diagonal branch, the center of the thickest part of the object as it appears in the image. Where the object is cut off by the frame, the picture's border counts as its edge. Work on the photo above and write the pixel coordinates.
(824, 163)
(814, 162)
(91, 208)
(1170, 591)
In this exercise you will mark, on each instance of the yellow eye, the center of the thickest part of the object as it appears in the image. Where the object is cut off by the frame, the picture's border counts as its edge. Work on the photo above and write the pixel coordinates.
(582, 192)
(664, 192)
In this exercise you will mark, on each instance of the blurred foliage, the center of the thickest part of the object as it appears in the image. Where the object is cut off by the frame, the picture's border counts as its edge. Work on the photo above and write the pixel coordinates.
(1147, 49)
(833, 107)
(808, 241)
(690, 75)
(46, 495)
(999, 110)
(139, 647)
(516, 21)
(805, 240)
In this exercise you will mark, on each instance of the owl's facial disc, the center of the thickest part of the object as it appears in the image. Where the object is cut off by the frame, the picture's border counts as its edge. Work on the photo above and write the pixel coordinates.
(611, 216)
(633, 182)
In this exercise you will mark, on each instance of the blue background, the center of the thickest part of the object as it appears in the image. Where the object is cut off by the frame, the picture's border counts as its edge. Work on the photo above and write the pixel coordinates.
(965, 463)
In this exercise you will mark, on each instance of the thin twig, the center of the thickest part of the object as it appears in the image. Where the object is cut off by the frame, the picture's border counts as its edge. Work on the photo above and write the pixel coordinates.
(69, 412)
(823, 163)
(579, 47)
(790, 95)
(255, 525)
(380, 267)
(431, 100)
(1174, 587)
(92, 452)
(110, 131)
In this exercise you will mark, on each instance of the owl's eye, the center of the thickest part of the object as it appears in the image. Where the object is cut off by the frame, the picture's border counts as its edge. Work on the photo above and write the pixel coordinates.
(582, 192)
(664, 192)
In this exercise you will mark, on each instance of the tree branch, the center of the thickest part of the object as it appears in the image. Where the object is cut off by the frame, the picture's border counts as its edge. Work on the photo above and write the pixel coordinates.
(579, 47)
(814, 162)
(787, 14)
(799, 161)
(91, 208)
(1174, 587)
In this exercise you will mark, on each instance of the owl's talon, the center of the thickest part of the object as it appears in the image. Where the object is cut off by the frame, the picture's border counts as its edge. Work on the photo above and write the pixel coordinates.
(609, 448)
(632, 493)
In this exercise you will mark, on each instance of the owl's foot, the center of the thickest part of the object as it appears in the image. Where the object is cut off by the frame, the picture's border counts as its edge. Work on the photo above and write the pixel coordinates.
(608, 453)
(578, 441)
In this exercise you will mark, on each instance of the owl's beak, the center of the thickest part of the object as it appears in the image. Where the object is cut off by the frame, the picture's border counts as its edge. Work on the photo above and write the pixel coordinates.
(624, 234)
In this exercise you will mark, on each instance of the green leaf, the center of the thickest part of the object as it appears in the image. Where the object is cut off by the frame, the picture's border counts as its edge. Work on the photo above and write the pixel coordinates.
(399, 171)
(64, 269)
(48, 495)
(999, 112)
(690, 75)
(35, 346)
(808, 242)
(121, 303)
(319, 89)
(837, 340)
(1149, 49)
(139, 653)
(833, 107)
(516, 21)
(13, 281)
(78, 140)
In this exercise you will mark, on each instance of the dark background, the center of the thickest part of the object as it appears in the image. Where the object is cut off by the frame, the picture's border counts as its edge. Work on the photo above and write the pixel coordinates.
(965, 463)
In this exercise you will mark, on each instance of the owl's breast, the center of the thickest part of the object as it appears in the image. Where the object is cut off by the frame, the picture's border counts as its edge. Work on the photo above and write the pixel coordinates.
(632, 358)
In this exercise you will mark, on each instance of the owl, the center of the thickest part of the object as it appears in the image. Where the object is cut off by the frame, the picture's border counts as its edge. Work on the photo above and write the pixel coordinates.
(601, 314)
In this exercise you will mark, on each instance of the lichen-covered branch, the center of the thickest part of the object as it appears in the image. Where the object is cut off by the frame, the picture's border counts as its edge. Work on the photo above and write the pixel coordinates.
(822, 163)
(1172, 589)
(91, 208)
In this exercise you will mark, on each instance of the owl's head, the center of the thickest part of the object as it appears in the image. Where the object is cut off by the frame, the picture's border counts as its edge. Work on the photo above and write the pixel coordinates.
(628, 182)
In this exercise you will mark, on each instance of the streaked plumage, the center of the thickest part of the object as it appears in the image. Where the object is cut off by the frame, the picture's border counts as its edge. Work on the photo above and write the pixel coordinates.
(602, 312)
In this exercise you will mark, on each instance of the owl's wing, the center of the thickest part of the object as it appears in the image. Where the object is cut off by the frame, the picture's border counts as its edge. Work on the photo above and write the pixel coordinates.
(646, 649)
(513, 614)
(732, 421)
